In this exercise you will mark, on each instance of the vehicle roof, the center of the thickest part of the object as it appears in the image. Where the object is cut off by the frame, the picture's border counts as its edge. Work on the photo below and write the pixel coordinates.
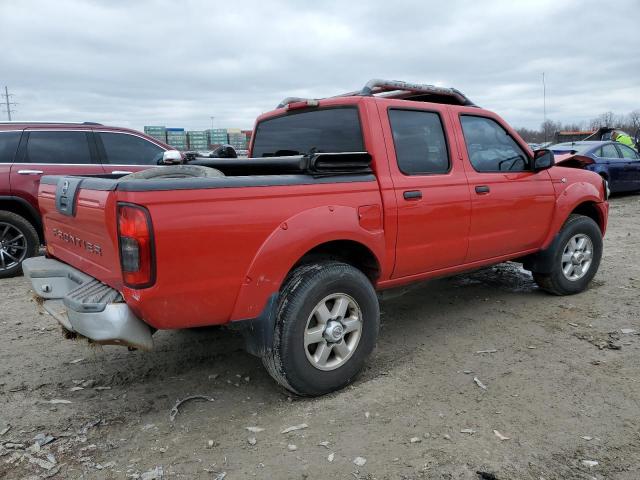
(22, 125)
(394, 89)
(583, 145)
(582, 142)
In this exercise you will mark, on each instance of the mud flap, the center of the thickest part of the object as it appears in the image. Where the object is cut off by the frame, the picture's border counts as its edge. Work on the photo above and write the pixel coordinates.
(258, 332)
(542, 261)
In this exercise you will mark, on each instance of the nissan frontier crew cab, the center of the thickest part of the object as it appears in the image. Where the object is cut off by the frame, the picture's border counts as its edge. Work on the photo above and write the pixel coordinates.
(341, 197)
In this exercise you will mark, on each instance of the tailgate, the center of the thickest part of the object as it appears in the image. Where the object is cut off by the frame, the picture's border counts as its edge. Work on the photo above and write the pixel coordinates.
(79, 218)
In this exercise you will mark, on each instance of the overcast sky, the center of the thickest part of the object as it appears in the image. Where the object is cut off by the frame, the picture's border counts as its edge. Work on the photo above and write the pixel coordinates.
(177, 63)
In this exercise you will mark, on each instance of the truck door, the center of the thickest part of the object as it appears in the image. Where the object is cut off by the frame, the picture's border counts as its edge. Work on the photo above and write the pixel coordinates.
(618, 175)
(430, 186)
(512, 205)
(631, 167)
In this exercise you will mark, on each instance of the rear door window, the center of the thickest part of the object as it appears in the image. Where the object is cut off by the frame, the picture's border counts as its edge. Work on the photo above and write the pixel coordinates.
(8, 145)
(329, 130)
(609, 151)
(627, 152)
(419, 141)
(125, 149)
(61, 147)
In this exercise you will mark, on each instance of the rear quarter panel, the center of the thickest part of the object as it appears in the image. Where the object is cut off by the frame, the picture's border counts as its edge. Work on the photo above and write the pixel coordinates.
(214, 244)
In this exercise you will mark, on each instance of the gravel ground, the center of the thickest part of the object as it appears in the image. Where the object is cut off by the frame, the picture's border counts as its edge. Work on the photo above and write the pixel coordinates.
(562, 390)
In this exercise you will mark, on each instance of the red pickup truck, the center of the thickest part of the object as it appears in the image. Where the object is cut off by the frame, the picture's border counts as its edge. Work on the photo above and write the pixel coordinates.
(341, 197)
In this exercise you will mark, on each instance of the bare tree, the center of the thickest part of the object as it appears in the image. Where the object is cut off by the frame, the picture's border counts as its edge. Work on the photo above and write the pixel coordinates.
(634, 120)
(549, 129)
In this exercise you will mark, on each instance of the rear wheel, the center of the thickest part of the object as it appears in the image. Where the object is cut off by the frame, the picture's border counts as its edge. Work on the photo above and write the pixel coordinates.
(578, 250)
(18, 241)
(326, 327)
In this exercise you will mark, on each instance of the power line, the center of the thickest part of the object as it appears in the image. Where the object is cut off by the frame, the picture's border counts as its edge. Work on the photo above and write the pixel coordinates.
(544, 106)
(7, 103)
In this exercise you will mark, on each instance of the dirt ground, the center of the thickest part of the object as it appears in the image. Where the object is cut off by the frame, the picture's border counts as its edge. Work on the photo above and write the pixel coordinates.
(563, 385)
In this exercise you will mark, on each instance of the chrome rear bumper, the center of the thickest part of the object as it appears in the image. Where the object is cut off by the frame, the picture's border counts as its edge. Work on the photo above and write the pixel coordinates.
(82, 304)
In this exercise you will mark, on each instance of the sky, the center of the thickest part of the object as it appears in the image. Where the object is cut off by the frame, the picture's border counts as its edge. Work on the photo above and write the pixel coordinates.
(179, 63)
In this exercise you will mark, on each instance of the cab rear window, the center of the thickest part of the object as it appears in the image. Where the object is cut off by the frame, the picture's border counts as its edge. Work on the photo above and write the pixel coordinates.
(329, 130)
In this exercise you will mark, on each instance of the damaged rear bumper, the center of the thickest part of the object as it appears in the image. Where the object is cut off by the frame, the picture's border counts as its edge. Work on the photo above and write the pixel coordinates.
(84, 305)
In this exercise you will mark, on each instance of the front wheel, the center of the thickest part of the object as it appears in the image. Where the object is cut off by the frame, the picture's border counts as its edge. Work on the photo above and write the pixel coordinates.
(575, 259)
(326, 327)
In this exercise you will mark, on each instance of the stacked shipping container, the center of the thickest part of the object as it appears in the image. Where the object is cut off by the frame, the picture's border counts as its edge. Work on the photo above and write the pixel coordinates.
(159, 133)
(237, 139)
(217, 136)
(177, 137)
(200, 139)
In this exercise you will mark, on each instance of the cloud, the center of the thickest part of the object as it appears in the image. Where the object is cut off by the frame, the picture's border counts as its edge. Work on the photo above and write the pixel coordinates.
(179, 63)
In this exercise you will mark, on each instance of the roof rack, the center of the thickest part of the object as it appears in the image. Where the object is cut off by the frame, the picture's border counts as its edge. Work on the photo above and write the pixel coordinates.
(397, 89)
(39, 122)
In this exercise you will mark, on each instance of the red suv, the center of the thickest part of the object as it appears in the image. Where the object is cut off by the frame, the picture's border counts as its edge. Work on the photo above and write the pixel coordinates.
(29, 150)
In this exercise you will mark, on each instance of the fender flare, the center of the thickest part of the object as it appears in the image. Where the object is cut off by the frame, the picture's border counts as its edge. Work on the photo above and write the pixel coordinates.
(289, 242)
(35, 215)
(570, 199)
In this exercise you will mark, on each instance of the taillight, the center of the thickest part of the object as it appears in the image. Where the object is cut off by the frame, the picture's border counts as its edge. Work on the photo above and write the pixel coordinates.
(135, 238)
(302, 104)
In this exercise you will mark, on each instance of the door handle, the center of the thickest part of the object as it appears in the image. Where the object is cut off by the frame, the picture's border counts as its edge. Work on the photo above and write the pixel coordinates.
(121, 172)
(482, 189)
(412, 195)
(30, 172)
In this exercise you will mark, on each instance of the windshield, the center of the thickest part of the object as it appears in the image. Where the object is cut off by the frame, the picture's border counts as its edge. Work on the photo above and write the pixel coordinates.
(330, 130)
(569, 147)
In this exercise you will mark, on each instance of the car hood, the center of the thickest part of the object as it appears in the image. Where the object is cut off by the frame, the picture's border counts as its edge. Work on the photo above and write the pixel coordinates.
(573, 160)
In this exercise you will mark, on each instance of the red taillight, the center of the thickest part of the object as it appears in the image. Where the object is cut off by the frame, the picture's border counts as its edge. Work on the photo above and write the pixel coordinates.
(302, 104)
(135, 238)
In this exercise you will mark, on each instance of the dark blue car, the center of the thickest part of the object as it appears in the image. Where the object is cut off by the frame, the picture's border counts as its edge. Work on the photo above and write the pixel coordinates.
(617, 163)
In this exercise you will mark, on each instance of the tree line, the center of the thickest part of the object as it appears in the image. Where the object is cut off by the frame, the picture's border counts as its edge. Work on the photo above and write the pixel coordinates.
(630, 123)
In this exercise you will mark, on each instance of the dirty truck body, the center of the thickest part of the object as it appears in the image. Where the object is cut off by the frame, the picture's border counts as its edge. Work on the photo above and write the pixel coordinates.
(291, 245)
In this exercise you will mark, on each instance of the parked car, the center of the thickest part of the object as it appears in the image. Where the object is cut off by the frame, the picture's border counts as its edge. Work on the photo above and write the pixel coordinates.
(613, 161)
(29, 150)
(343, 196)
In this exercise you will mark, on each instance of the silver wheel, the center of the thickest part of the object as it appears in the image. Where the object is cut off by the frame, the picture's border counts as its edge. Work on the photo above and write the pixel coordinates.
(13, 246)
(333, 331)
(577, 257)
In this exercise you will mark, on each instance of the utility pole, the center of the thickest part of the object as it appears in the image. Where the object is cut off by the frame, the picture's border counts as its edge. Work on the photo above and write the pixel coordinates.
(544, 107)
(7, 96)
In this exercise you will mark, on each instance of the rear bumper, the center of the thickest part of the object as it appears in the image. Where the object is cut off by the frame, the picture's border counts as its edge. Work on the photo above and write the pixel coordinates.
(84, 305)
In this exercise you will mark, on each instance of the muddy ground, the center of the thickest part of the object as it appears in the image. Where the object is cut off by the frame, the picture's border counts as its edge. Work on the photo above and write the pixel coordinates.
(563, 385)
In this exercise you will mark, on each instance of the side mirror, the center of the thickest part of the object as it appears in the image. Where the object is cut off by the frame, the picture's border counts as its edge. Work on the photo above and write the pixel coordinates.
(171, 157)
(542, 159)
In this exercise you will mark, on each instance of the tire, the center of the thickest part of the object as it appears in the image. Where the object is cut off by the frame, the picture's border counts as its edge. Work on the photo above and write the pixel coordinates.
(557, 281)
(290, 362)
(174, 171)
(18, 241)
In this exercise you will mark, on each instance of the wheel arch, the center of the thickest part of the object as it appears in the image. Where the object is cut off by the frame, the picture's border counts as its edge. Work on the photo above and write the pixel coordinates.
(589, 209)
(348, 251)
(305, 238)
(23, 208)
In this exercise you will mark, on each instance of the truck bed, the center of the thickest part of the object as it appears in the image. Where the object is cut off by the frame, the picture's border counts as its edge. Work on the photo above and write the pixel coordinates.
(208, 233)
